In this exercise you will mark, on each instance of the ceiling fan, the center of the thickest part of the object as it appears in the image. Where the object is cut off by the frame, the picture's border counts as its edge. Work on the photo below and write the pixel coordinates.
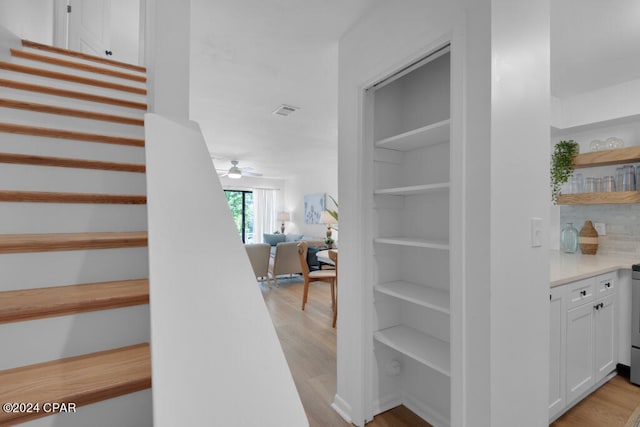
(236, 172)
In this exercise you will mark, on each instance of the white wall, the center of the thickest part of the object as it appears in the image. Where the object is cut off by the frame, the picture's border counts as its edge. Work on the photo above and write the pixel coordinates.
(216, 357)
(125, 26)
(167, 53)
(28, 19)
(501, 106)
(312, 183)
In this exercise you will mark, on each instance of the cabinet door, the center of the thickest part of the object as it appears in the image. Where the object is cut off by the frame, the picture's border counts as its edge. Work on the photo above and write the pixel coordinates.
(557, 349)
(580, 366)
(606, 344)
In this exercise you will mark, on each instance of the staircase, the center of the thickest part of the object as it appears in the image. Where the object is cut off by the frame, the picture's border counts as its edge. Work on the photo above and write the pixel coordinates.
(74, 294)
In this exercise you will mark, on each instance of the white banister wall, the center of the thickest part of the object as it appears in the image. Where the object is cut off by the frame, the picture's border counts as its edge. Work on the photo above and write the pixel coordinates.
(216, 358)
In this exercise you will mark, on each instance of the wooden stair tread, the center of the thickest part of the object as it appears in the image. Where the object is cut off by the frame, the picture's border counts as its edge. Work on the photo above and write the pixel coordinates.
(76, 65)
(65, 162)
(29, 304)
(71, 112)
(70, 78)
(61, 51)
(59, 197)
(72, 94)
(22, 243)
(82, 380)
(68, 134)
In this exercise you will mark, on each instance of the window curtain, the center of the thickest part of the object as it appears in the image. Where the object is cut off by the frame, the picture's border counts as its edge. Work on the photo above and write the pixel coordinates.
(265, 213)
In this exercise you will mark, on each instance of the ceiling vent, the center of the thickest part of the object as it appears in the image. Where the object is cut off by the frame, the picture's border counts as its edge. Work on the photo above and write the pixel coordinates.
(285, 110)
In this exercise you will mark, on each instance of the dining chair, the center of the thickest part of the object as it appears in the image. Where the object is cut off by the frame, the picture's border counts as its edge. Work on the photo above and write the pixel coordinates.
(328, 276)
(333, 255)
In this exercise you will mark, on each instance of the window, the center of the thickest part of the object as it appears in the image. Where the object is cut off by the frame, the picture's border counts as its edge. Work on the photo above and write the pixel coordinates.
(241, 205)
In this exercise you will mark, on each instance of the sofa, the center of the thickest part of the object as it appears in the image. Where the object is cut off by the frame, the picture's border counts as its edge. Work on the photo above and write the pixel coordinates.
(284, 250)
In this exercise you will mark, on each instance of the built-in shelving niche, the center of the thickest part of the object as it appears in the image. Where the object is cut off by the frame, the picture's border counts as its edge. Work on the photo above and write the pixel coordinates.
(411, 254)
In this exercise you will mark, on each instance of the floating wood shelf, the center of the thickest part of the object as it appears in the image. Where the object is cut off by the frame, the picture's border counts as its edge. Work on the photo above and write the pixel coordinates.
(608, 157)
(422, 137)
(617, 197)
(435, 299)
(419, 346)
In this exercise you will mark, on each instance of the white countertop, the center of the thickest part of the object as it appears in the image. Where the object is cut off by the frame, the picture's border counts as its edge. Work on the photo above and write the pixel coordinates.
(565, 268)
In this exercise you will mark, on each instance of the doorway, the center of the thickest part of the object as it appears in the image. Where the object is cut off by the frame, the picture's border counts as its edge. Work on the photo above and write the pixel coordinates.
(241, 205)
(112, 29)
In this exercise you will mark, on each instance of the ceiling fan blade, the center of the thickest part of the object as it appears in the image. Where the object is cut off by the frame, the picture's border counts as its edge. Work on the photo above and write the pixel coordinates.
(248, 173)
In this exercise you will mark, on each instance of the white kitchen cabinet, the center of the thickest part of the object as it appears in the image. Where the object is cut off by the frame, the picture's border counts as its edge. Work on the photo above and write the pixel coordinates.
(584, 342)
(605, 342)
(557, 350)
(580, 335)
(409, 122)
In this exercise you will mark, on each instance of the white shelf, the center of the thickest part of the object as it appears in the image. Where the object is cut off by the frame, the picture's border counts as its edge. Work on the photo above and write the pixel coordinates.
(419, 243)
(435, 299)
(413, 189)
(422, 137)
(559, 132)
(421, 347)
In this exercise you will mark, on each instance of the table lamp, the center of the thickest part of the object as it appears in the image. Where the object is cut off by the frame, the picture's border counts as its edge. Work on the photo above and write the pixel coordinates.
(282, 217)
(329, 220)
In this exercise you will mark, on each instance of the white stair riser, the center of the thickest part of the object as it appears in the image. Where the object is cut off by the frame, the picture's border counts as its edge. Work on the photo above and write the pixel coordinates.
(33, 218)
(131, 410)
(49, 178)
(56, 147)
(76, 72)
(62, 101)
(41, 340)
(82, 61)
(47, 269)
(56, 121)
(78, 87)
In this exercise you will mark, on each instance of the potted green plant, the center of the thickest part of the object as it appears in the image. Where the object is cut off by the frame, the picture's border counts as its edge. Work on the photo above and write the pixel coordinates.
(329, 242)
(562, 165)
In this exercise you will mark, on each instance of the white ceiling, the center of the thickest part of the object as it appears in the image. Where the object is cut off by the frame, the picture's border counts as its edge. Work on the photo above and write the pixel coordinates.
(250, 56)
(594, 44)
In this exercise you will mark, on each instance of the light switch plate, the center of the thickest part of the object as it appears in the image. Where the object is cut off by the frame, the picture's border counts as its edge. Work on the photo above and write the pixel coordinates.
(600, 228)
(536, 232)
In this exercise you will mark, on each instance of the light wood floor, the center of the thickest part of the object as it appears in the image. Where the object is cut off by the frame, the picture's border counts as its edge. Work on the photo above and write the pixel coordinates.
(309, 344)
(609, 406)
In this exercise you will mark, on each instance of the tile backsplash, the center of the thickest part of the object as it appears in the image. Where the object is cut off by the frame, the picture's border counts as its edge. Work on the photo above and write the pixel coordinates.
(622, 225)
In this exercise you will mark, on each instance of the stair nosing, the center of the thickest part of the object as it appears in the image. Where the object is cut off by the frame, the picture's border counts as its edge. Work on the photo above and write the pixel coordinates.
(56, 242)
(66, 93)
(61, 51)
(76, 65)
(70, 112)
(74, 299)
(70, 78)
(68, 162)
(130, 369)
(68, 134)
(22, 196)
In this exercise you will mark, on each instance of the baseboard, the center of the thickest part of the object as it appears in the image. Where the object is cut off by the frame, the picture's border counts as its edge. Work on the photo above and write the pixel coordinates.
(382, 405)
(425, 412)
(342, 408)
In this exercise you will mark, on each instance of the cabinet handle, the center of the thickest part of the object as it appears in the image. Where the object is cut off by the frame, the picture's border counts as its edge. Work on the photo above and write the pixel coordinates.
(601, 304)
(597, 306)
(607, 285)
(583, 293)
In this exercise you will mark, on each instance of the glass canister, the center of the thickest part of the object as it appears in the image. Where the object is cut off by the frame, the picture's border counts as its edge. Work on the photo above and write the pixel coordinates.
(569, 239)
